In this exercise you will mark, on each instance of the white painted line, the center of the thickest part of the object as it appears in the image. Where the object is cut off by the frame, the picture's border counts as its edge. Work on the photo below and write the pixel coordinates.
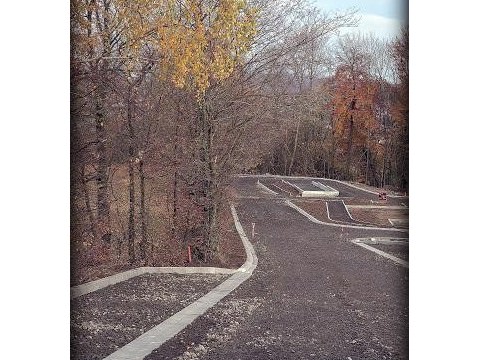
(366, 190)
(313, 219)
(382, 253)
(328, 212)
(265, 188)
(152, 339)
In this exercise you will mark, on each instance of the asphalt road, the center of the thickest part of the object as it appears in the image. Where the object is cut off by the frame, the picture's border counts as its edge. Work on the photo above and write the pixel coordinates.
(315, 294)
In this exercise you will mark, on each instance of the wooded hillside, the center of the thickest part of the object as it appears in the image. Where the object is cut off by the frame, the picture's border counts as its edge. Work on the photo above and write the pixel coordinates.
(171, 98)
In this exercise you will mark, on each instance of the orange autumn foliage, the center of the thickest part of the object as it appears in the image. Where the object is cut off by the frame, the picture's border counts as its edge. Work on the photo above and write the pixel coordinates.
(353, 101)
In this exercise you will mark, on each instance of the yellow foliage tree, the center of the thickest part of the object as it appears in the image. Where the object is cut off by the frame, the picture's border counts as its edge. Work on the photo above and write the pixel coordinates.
(201, 40)
(197, 43)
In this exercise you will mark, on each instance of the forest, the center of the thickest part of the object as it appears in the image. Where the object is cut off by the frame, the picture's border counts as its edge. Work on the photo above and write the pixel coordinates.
(172, 98)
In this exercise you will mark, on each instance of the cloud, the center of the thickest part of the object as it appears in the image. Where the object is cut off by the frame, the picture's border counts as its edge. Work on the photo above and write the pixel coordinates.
(381, 26)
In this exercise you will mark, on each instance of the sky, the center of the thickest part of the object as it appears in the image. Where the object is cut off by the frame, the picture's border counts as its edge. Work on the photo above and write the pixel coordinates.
(383, 18)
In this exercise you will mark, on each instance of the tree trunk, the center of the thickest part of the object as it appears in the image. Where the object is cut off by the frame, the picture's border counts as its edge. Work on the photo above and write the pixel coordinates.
(286, 153)
(331, 165)
(210, 184)
(384, 165)
(350, 146)
(367, 167)
(143, 214)
(294, 148)
(86, 196)
(131, 182)
(103, 203)
(175, 184)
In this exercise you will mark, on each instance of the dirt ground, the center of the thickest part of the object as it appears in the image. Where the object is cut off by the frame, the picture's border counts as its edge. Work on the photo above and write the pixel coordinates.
(231, 255)
(313, 295)
(107, 319)
(316, 208)
(90, 262)
(380, 217)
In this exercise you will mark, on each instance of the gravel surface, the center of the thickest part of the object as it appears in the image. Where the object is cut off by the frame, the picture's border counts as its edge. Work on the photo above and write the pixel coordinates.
(400, 251)
(379, 216)
(218, 325)
(338, 212)
(317, 208)
(105, 320)
(361, 216)
(280, 187)
(313, 295)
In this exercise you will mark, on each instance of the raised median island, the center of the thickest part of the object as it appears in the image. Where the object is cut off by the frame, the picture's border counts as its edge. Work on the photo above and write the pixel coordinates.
(312, 188)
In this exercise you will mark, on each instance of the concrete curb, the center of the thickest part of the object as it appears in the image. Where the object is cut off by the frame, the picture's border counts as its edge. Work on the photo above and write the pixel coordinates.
(152, 339)
(95, 285)
(315, 220)
(366, 190)
(398, 222)
(387, 207)
(316, 178)
(328, 215)
(348, 212)
(294, 186)
(360, 242)
(251, 262)
(323, 186)
(382, 241)
(326, 193)
(349, 215)
(264, 187)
